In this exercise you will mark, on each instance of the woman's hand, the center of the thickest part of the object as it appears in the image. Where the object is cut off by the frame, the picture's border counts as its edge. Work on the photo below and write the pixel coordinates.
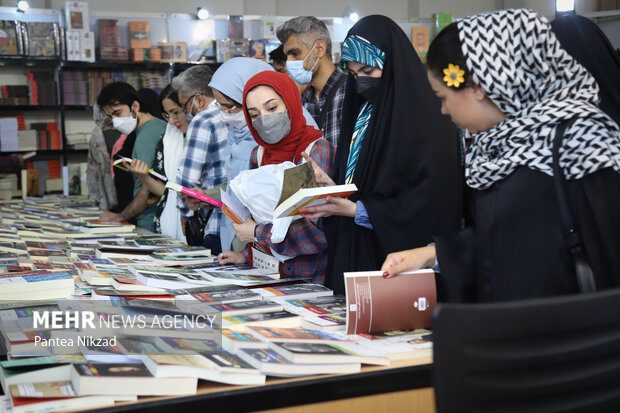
(245, 231)
(193, 203)
(322, 179)
(230, 257)
(335, 206)
(414, 259)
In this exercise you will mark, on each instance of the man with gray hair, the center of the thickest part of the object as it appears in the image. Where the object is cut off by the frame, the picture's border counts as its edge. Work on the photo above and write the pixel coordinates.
(308, 48)
(206, 147)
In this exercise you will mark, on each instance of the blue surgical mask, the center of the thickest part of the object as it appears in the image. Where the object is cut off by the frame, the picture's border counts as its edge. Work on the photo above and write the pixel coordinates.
(298, 73)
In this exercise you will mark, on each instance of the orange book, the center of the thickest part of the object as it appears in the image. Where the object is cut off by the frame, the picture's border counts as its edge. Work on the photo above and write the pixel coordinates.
(420, 38)
(139, 35)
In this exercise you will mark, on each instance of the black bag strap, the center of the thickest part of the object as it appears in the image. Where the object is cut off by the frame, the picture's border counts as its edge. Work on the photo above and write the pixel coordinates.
(329, 101)
(585, 275)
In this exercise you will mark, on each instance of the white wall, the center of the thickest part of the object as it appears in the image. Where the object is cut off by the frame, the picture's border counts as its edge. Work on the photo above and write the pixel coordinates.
(397, 9)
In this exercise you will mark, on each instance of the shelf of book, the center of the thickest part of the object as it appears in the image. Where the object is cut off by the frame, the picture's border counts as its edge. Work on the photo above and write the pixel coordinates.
(19, 108)
(405, 376)
(30, 62)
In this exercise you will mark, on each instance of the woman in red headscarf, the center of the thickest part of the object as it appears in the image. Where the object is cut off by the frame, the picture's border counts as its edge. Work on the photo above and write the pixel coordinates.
(274, 114)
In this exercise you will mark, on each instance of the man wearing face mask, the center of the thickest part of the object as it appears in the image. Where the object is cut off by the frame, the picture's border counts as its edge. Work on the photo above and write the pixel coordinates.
(308, 48)
(122, 103)
(206, 151)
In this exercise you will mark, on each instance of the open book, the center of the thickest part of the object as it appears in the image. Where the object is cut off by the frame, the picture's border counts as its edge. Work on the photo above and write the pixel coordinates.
(299, 189)
(376, 304)
(119, 164)
(233, 208)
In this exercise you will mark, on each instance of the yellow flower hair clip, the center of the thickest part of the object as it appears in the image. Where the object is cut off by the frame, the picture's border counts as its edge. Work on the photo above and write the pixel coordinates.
(454, 76)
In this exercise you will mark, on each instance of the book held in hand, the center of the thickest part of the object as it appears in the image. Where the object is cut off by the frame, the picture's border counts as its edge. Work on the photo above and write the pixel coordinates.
(181, 189)
(299, 190)
(377, 304)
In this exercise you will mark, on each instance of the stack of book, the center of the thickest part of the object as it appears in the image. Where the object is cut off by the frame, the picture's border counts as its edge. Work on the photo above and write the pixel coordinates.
(42, 39)
(78, 140)
(42, 87)
(49, 135)
(109, 44)
(164, 315)
(80, 41)
(75, 88)
(10, 38)
(15, 95)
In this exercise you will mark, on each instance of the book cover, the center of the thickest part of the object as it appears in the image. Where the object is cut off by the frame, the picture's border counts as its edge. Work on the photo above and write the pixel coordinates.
(299, 189)
(420, 38)
(377, 304)
(139, 34)
(9, 32)
(42, 39)
(76, 15)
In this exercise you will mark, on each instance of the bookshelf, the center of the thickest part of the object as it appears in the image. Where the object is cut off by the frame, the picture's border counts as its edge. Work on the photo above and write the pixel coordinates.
(64, 112)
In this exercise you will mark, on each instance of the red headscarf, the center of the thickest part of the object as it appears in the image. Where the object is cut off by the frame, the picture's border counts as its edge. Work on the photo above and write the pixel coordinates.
(301, 134)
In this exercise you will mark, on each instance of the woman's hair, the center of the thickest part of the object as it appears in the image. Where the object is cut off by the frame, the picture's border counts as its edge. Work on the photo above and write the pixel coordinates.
(445, 50)
(237, 104)
(168, 93)
(119, 93)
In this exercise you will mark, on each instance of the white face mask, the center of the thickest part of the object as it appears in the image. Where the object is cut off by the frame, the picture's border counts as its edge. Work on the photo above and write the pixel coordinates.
(125, 124)
(236, 120)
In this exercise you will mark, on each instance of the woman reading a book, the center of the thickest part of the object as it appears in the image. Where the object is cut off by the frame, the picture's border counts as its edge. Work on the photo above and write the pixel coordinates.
(273, 111)
(515, 97)
(396, 147)
(168, 154)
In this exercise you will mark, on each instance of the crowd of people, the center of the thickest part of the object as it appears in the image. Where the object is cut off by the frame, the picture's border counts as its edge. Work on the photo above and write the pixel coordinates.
(486, 217)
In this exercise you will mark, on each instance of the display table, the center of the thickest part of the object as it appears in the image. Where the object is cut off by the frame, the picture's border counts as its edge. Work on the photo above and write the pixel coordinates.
(403, 386)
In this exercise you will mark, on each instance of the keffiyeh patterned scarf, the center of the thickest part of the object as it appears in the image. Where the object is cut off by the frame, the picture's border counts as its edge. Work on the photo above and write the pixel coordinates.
(358, 49)
(520, 65)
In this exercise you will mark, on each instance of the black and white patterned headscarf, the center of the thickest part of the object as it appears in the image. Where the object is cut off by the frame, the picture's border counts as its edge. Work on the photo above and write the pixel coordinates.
(520, 65)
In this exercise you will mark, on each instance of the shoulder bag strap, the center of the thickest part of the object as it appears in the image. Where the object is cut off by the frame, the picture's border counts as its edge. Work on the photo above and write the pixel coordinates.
(585, 275)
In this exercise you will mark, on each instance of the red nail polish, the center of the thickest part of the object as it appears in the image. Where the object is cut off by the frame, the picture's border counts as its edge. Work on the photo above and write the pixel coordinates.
(386, 274)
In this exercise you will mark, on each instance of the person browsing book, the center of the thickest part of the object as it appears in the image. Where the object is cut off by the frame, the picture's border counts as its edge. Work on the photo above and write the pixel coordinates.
(396, 147)
(273, 110)
(518, 247)
(168, 155)
(206, 148)
(227, 85)
(128, 112)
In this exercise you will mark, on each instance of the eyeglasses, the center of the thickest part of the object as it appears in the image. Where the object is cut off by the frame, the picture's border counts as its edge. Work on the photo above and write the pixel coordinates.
(184, 106)
(226, 107)
(173, 114)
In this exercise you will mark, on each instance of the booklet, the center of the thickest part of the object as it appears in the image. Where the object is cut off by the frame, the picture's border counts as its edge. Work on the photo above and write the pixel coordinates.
(377, 304)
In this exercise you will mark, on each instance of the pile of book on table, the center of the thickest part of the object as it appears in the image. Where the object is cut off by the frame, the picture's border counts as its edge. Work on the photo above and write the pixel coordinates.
(95, 313)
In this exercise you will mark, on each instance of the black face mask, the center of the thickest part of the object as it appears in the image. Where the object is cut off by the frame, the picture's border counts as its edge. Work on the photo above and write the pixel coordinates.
(368, 87)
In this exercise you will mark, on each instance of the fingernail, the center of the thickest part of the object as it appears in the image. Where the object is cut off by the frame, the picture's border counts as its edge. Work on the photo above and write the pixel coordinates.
(386, 274)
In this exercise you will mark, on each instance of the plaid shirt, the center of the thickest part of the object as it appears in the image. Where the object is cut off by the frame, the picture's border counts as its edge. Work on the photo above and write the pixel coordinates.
(203, 161)
(305, 240)
(333, 119)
